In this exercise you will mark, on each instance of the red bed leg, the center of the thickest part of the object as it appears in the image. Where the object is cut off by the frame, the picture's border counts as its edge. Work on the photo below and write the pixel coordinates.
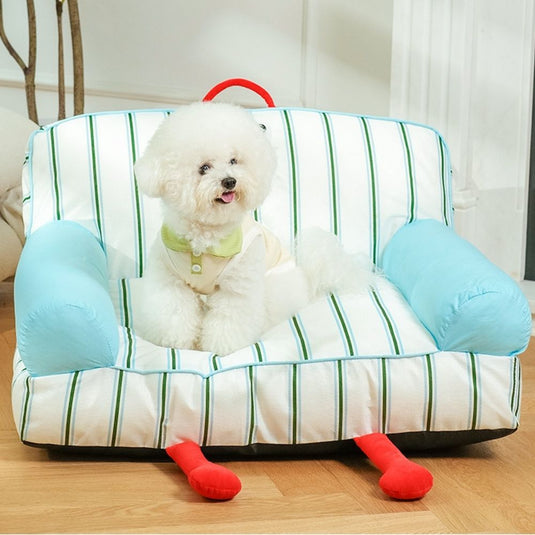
(402, 479)
(208, 479)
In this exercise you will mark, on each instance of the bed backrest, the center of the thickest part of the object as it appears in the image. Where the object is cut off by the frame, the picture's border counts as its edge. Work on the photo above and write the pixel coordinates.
(359, 177)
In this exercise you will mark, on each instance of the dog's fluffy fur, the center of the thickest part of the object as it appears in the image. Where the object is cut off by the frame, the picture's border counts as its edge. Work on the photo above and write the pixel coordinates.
(211, 164)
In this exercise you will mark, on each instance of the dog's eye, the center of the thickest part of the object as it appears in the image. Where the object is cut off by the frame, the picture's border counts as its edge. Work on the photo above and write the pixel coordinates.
(233, 161)
(204, 168)
(262, 126)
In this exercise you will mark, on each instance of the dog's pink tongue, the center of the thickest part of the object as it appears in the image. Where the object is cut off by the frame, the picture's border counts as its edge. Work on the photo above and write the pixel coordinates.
(228, 197)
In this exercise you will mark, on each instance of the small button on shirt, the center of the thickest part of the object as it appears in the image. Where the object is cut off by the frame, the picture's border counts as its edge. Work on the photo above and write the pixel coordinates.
(202, 272)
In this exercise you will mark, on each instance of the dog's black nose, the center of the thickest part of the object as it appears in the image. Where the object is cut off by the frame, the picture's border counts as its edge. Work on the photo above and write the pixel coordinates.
(229, 182)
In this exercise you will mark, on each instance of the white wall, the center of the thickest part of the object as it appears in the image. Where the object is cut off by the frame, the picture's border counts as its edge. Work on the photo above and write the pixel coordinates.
(330, 54)
(466, 67)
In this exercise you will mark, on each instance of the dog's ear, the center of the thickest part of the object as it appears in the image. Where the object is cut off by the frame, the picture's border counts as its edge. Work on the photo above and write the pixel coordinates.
(148, 176)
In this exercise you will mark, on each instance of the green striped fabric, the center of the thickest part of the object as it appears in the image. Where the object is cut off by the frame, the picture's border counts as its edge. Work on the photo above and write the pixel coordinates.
(361, 178)
(276, 403)
(345, 366)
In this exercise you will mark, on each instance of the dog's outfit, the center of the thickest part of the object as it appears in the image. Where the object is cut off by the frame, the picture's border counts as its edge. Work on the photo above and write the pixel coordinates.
(203, 272)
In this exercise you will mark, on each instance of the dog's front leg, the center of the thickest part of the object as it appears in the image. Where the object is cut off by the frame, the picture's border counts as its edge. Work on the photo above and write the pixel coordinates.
(235, 311)
(167, 311)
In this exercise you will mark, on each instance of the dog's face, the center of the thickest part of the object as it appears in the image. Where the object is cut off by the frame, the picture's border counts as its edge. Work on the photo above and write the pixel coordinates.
(209, 163)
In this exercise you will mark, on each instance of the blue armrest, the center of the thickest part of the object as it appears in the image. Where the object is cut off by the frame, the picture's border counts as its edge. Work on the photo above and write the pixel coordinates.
(466, 302)
(64, 316)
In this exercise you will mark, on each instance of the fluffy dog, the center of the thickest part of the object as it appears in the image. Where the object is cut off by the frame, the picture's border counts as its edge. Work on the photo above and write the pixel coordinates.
(216, 280)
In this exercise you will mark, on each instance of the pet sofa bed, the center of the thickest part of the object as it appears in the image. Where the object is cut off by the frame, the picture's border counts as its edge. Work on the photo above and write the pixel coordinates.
(429, 356)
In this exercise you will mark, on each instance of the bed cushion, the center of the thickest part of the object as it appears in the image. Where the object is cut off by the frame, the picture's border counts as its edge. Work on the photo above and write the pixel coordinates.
(361, 178)
(345, 366)
(65, 320)
(372, 367)
(464, 300)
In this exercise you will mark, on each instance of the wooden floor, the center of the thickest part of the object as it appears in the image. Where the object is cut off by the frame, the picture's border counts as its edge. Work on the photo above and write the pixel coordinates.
(486, 488)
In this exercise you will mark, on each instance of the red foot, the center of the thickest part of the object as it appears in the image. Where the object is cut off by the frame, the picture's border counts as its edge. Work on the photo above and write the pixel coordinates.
(208, 479)
(402, 479)
(214, 481)
(406, 481)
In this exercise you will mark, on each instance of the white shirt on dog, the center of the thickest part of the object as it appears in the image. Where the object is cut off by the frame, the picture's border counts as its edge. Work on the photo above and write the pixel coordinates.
(203, 272)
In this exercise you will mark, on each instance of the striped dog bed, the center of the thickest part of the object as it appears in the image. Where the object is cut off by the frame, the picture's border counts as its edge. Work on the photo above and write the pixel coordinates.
(430, 356)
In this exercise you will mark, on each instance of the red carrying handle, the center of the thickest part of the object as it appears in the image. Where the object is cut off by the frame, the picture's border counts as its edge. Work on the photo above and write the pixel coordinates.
(242, 82)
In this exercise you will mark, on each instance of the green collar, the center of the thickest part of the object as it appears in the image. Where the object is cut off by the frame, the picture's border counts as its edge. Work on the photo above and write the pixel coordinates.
(229, 246)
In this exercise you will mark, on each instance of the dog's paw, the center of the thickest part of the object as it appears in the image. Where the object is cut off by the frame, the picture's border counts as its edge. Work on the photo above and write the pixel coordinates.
(158, 319)
(171, 341)
(166, 334)
(223, 340)
(218, 347)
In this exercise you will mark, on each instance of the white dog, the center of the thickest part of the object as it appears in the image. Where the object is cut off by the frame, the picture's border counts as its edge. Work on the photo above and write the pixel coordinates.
(216, 280)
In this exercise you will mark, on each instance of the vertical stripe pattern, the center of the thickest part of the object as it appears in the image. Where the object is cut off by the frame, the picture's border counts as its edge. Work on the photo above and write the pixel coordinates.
(430, 394)
(70, 408)
(515, 387)
(116, 410)
(337, 369)
(474, 383)
(340, 400)
(295, 408)
(293, 175)
(411, 204)
(333, 179)
(331, 163)
(207, 410)
(251, 384)
(390, 326)
(25, 408)
(96, 190)
(373, 197)
(162, 413)
(137, 203)
(346, 332)
(56, 183)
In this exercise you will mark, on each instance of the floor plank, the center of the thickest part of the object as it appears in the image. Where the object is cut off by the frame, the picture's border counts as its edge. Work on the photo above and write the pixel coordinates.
(485, 487)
